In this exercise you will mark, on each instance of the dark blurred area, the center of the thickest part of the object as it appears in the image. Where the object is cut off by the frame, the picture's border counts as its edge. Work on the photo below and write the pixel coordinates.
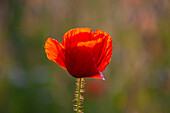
(137, 79)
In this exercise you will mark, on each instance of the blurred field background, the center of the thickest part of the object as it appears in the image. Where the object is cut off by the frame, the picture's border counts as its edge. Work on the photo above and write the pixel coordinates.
(137, 79)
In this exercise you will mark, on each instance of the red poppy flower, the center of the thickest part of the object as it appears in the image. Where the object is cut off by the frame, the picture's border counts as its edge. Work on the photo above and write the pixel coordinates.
(82, 52)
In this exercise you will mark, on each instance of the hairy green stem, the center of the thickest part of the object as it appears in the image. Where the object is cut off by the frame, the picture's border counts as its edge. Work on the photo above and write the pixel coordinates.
(78, 97)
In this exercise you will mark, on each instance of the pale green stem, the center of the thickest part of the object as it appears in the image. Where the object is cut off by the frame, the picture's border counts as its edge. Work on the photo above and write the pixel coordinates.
(78, 97)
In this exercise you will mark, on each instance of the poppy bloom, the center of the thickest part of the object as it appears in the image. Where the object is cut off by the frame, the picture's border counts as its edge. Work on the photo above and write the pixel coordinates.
(82, 52)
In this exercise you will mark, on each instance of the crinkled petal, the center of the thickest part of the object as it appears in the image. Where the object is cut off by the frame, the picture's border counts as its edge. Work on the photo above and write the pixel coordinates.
(55, 52)
(80, 61)
(74, 36)
(103, 49)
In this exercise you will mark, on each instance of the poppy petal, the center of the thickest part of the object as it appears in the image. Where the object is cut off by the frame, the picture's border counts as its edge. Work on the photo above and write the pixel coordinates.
(98, 76)
(102, 50)
(80, 61)
(73, 36)
(55, 51)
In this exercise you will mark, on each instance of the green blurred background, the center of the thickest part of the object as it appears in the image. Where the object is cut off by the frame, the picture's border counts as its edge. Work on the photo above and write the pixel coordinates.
(137, 79)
